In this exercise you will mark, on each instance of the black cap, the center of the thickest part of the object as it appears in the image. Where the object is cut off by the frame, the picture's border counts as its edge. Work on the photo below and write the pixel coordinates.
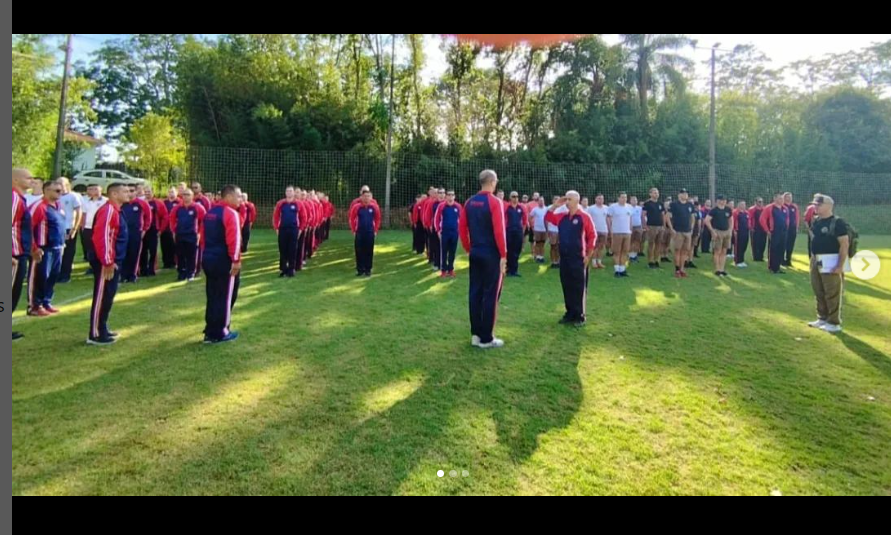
(683, 190)
(719, 198)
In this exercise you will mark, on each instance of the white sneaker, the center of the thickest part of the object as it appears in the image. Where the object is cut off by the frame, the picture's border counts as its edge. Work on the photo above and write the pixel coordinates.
(832, 329)
(495, 343)
(475, 341)
(819, 324)
(743, 265)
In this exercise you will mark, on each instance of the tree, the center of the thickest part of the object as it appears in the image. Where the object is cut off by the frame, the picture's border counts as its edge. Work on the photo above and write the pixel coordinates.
(856, 125)
(652, 55)
(156, 148)
(132, 77)
(36, 89)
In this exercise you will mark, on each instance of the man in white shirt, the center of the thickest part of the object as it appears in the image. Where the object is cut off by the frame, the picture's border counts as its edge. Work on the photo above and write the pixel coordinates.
(73, 211)
(539, 230)
(598, 214)
(554, 239)
(619, 221)
(91, 205)
(36, 192)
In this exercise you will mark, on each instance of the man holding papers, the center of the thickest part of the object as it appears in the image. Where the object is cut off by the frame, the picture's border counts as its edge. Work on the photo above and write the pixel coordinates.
(829, 253)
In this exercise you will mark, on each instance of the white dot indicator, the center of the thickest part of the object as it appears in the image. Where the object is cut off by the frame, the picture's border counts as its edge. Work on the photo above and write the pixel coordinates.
(440, 474)
(453, 473)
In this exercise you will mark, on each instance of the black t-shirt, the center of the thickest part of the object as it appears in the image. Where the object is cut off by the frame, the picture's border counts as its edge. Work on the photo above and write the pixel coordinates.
(654, 211)
(681, 216)
(721, 218)
(823, 242)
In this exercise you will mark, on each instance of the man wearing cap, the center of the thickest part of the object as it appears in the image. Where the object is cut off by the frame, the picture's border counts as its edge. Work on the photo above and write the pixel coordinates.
(830, 253)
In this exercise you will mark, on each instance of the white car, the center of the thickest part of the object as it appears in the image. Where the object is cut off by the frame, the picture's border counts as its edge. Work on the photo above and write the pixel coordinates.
(103, 178)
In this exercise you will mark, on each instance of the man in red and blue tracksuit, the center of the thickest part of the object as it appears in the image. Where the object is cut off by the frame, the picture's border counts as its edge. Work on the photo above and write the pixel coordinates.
(110, 244)
(483, 236)
(168, 244)
(138, 215)
(446, 225)
(221, 242)
(248, 214)
(21, 236)
(286, 220)
(775, 220)
(577, 240)
(418, 237)
(794, 224)
(148, 262)
(433, 245)
(517, 220)
(48, 230)
(365, 222)
(185, 223)
(759, 233)
(741, 230)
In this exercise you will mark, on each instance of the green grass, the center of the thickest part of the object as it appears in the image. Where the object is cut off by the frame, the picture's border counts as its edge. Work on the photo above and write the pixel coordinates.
(369, 386)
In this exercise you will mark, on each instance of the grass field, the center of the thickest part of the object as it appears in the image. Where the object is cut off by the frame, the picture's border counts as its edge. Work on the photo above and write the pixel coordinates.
(369, 386)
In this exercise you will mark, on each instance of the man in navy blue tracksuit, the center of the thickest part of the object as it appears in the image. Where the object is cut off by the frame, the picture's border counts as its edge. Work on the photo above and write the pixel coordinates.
(516, 220)
(775, 220)
(365, 222)
(185, 224)
(286, 220)
(448, 214)
(221, 242)
(577, 240)
(48, 228)
(483, 235)
(138, 215)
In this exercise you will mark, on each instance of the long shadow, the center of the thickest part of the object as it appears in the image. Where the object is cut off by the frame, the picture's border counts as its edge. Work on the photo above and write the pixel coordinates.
(321, 439)
(879, 360)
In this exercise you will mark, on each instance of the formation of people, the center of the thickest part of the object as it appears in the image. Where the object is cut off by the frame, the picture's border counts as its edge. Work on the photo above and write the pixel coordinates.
(122, 231)
(579, 235)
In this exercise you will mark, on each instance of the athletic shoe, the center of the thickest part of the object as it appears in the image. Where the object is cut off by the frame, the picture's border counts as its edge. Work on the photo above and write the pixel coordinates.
(101, 341)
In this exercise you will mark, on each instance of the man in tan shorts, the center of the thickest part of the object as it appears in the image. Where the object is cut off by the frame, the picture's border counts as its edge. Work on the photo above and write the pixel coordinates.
(619, 219)
(539, 230)
(681, 224)
(719, 222)
(653, 219)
